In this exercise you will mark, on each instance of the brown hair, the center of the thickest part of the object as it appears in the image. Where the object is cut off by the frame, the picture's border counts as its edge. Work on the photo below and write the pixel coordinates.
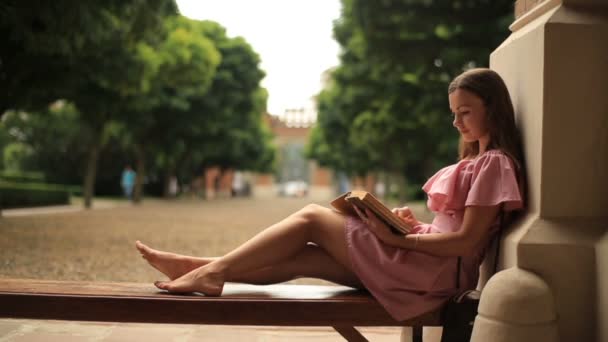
(504, 136)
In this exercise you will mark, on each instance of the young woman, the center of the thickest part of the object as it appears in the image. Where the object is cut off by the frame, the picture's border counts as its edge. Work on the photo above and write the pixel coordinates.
(410, 274)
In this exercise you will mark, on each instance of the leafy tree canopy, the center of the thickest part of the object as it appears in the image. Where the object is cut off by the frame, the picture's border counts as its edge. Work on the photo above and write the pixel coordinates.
(386, 108)
(48, 46)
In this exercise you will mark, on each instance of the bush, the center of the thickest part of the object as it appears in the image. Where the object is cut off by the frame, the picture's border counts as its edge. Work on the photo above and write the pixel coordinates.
(17, 156)
(13, 195)
(21, 177)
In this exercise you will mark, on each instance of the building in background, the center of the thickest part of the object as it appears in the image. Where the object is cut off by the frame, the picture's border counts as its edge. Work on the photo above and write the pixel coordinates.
(295, 174)
(292, 131)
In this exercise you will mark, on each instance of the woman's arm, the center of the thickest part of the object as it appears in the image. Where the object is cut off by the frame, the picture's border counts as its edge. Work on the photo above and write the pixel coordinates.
(474, 230)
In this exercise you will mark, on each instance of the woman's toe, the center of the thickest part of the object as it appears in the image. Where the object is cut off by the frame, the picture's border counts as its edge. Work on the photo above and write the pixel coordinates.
(161, 285)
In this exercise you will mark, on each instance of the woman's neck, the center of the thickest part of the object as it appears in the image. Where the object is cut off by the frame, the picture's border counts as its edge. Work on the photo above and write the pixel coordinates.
(483, 143)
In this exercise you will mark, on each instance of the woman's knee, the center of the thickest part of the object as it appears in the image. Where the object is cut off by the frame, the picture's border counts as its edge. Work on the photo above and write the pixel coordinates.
(320, 221)
(311, 214)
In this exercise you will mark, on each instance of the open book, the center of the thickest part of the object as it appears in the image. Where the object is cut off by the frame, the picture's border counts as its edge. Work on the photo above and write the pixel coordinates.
(363, 199)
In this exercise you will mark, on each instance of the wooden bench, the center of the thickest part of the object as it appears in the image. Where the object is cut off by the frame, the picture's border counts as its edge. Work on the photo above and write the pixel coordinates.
(342, 308)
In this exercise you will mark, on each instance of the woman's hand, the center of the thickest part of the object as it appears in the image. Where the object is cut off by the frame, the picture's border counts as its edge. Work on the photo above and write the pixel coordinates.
(406, 215)
(378, 228)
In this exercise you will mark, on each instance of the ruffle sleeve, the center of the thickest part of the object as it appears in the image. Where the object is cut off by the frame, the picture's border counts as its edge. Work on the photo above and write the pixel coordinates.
(489, 179)
(494, 181)
(447, 189)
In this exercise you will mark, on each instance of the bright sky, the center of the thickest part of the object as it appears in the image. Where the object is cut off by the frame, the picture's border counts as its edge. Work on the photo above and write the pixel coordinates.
(293, 38)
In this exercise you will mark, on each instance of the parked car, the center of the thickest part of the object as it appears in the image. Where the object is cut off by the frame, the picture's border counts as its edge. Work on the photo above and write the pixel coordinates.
(297, 188)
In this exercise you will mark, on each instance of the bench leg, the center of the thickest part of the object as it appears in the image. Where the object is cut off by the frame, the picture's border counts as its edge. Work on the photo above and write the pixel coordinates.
(417, 334)
(350, 333)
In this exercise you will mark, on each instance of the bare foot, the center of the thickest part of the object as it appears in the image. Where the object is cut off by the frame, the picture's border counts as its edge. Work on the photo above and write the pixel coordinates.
(202, 279)
(170, 264)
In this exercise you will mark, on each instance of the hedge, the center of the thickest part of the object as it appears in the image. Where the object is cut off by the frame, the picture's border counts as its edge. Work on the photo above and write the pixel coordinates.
(14, 195)
(22, 177)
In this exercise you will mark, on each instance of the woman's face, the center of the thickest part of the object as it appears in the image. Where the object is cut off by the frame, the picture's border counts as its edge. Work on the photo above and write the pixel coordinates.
(469, 116)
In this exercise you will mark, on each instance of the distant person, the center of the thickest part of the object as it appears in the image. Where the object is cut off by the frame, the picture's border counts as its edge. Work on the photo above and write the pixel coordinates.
(238, 184)
(173, 186)
(196, 185)
(380, 189)
(343, 183)
(410, 274)
(127, 181)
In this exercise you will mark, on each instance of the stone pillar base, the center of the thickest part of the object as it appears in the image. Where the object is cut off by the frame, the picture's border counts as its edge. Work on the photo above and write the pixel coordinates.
(516, 305)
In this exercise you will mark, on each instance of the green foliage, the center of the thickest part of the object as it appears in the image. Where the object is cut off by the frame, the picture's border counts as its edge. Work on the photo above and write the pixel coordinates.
(204, 106)
(89, 53)
(132, 79)
(185, 63)
(21, 176)
(55, 139)
(29, 195)
(226, 123)
(49, 49)
(386, 108)
(16, 156)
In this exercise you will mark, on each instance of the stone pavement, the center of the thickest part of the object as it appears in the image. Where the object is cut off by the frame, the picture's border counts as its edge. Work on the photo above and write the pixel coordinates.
(21, 330)
(59, 209)
(44, 330)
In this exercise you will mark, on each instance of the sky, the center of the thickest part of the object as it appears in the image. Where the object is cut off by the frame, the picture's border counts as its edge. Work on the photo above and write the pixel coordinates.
(293, 38)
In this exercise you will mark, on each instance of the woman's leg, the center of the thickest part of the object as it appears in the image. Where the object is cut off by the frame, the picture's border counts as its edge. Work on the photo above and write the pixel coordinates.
(311, 262)
(170, 264)
(271, 247)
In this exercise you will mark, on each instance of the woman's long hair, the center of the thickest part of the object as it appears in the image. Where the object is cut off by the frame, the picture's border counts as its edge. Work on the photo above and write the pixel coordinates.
(504, 136)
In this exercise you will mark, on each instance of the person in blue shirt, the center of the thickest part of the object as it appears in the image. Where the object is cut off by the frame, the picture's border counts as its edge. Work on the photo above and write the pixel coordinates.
(127, 181)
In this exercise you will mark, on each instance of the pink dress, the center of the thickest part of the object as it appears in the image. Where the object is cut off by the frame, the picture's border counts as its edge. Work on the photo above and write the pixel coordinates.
(408, 283)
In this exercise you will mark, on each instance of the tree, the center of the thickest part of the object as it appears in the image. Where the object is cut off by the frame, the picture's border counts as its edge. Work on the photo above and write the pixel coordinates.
(185, 63)
(203, 106)
(398, 57)
(88, 57)
(54, 138)
(48, 47)
(226, 128)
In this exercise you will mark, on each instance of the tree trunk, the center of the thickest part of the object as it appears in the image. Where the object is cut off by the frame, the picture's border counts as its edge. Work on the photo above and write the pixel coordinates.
(402, 181)
(91, 174)
(140, 174)
(3, 108)
(204, 185)
(219, 191)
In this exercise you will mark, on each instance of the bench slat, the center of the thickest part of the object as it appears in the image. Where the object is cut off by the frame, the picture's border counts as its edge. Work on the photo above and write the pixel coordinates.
(280, 305)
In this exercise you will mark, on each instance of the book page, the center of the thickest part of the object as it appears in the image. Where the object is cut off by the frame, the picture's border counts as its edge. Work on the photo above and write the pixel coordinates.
(363, 199)
(384, 213)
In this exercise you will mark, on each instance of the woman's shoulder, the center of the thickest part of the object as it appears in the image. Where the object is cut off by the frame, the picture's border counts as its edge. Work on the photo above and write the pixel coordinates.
(494, 180)
(486, 179)
(493, 157)
(493, 153)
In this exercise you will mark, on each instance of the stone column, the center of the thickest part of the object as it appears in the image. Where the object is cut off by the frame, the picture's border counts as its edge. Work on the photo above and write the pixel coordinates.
(555, 64)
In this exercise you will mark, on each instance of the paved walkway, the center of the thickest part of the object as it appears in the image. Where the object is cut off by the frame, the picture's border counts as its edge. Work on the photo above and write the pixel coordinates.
(50, 223)
(60, 209)
(16, 330)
